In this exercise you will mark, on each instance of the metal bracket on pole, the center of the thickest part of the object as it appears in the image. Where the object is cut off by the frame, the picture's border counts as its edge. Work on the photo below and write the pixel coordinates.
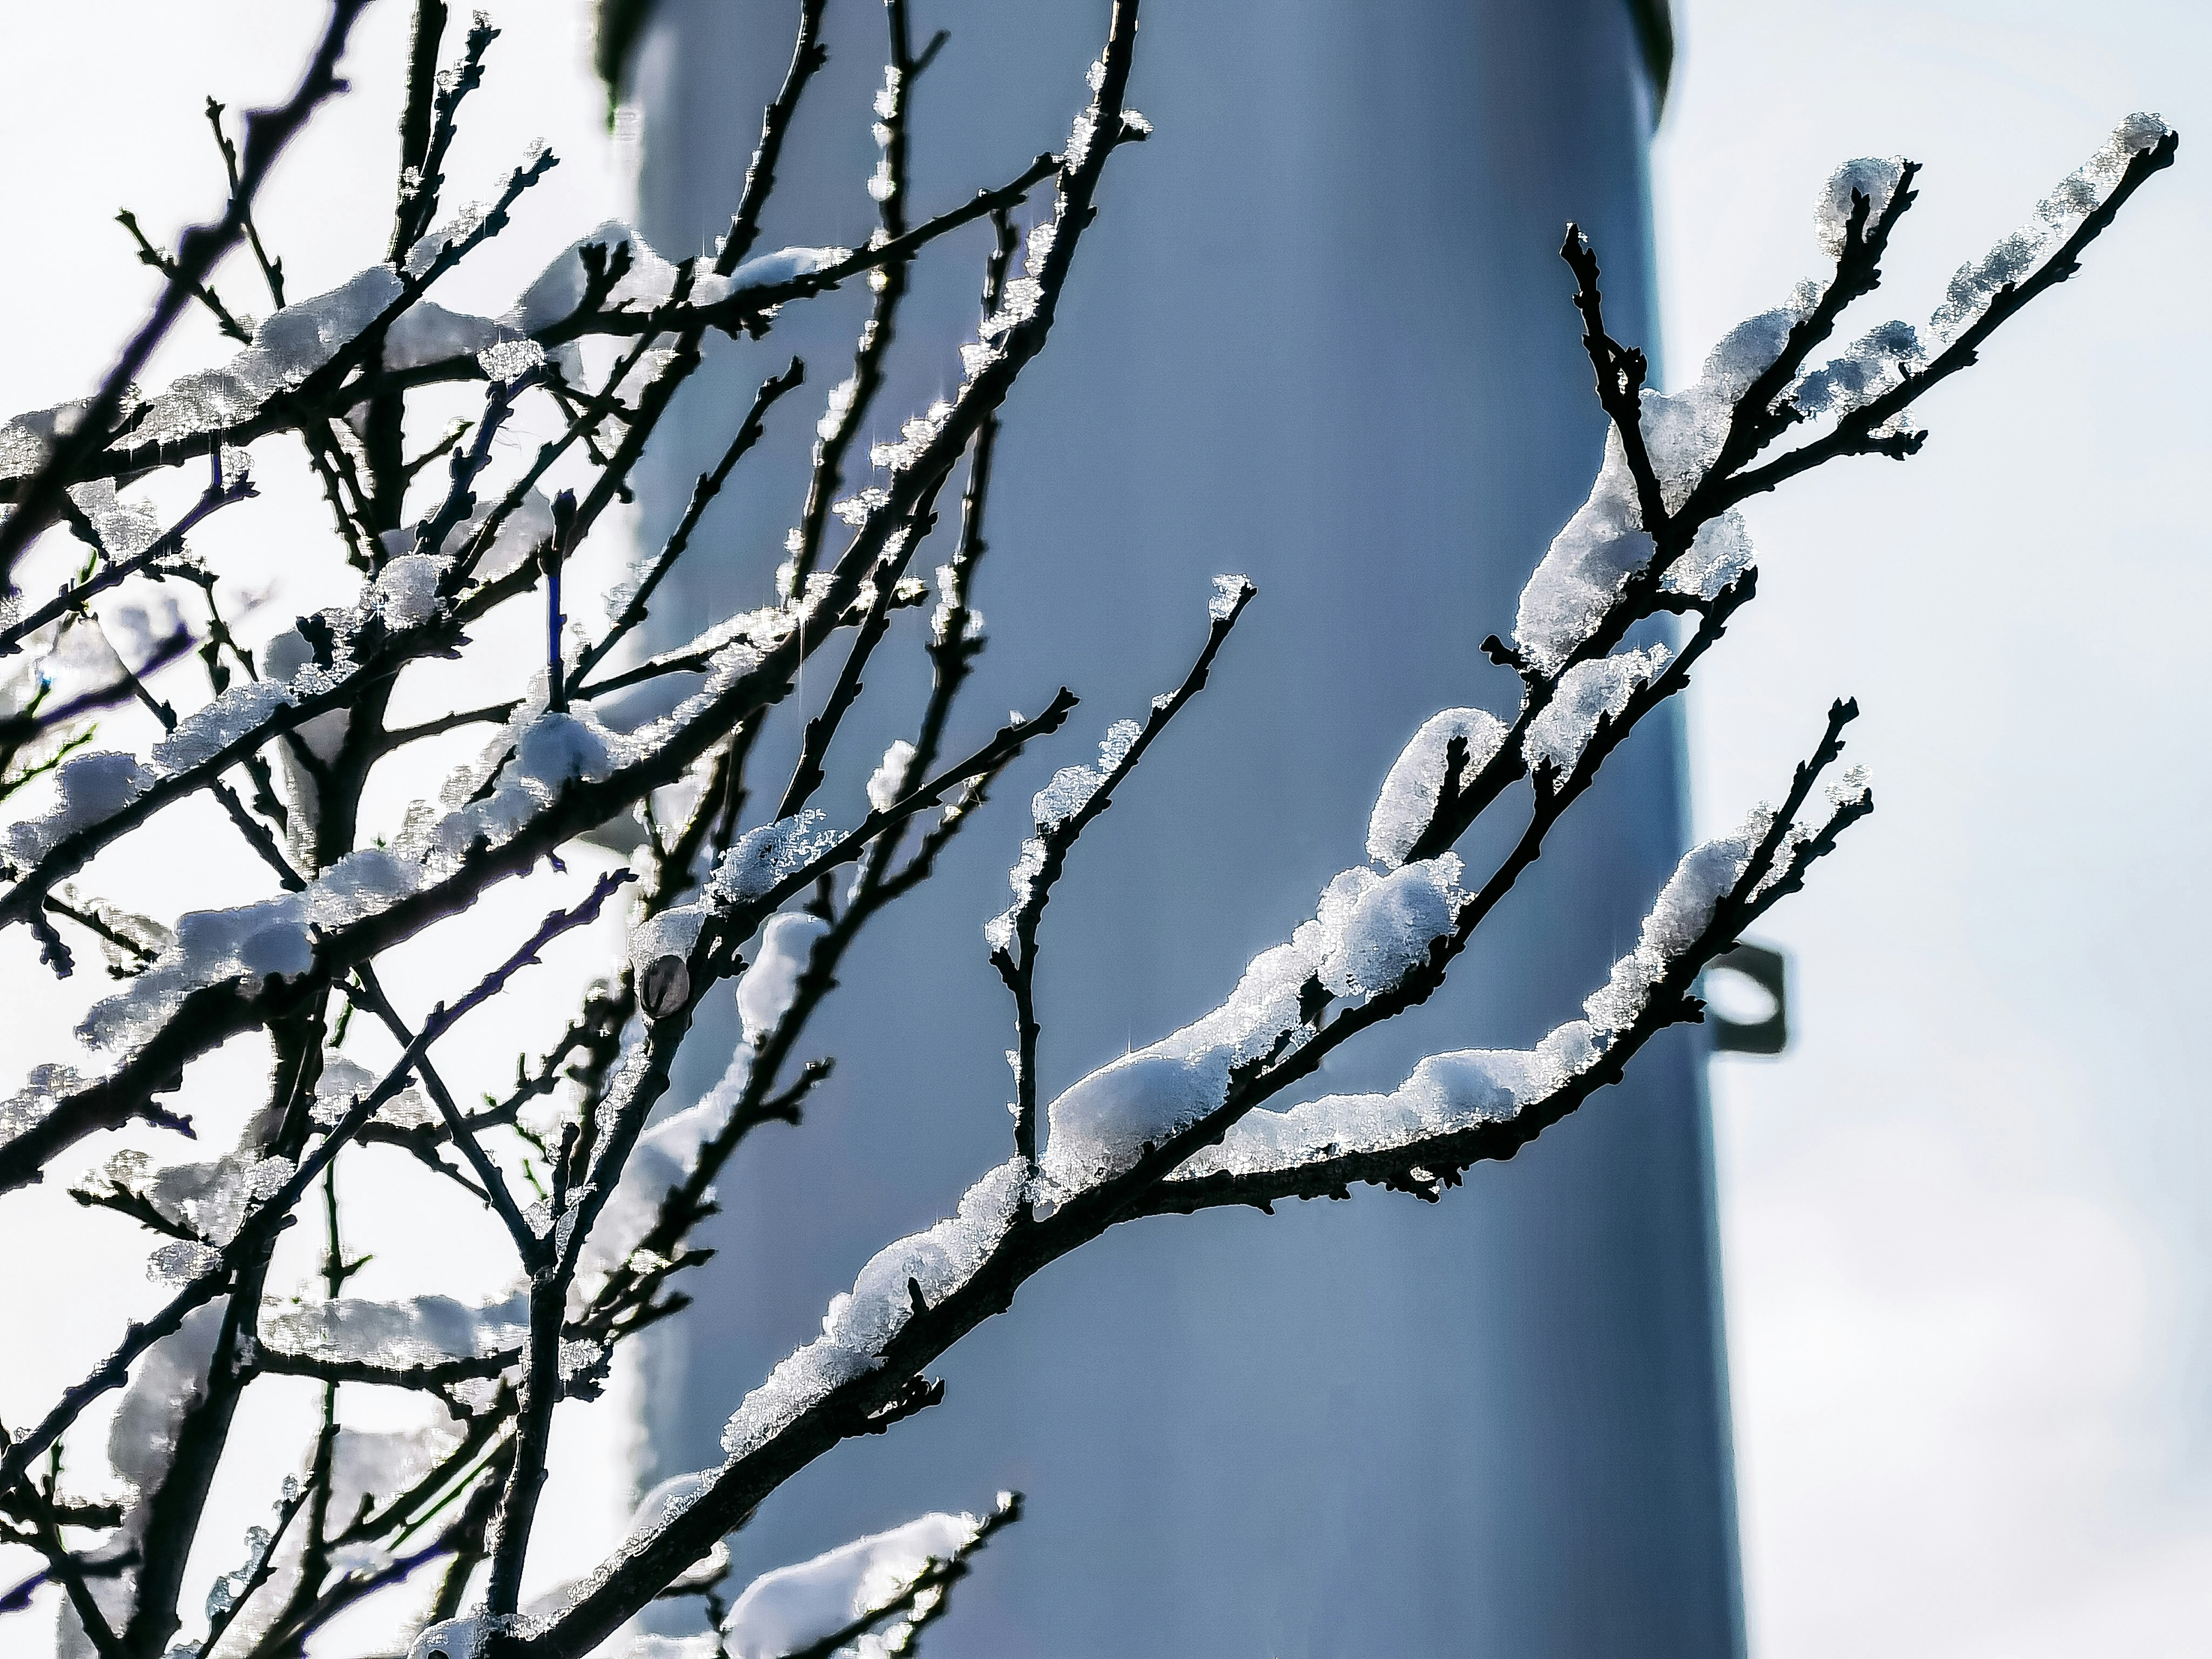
(1767, 968)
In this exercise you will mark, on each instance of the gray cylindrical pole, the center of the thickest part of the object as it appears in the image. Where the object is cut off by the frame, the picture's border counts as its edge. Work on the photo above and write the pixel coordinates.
(1320, 333)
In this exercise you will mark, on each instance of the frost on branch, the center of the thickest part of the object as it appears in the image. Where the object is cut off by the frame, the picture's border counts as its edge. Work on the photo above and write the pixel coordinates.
(765, 856)
(293, 343)
(34, 1101)
(1877, 362)
(1605, 542)
(2079, 194)
(90, 788)
(123, 527)
(1073, 786)
(1685, 906)
(1873, 180)
(1446, 1093)
(1370, 931)
(208, 1202)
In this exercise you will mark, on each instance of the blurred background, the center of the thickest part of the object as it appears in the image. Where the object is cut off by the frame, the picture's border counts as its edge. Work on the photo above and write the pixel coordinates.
(1966, 1235)
(1964, 1221)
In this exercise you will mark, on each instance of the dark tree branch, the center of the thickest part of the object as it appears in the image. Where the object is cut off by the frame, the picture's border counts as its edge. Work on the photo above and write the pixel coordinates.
(1620, 371)
(459, 1130)
(15, 730)
(709, 485)
(851, 403)
(1857, 432)
(329, 391)
(1014, 954)
(923, 1600)
(275, 1214)
(165, 548)
(63, 1564)
(267, 133)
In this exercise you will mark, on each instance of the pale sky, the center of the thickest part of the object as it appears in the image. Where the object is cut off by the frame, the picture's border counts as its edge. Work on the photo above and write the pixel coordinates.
(100, 106)
(1965, 1219)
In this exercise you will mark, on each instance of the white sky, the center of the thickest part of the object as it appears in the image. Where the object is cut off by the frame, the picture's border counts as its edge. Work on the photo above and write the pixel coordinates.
(1966, 1219)
(100, 106)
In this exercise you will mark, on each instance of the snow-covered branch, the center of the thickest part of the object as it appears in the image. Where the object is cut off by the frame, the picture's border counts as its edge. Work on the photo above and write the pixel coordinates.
(598, 1188)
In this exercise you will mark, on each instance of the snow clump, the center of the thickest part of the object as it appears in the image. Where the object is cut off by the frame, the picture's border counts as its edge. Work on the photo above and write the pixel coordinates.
(1706, 875)
(861, 1321)
(420, 1331)
(1408, 800)
(510, 360)
(1586, 693)
(889, 779)
(1874, 177)
(766, 856)
(796, 1607)
(770, 986)
(2013, 258)
(1449, 1093)
(1369, 932)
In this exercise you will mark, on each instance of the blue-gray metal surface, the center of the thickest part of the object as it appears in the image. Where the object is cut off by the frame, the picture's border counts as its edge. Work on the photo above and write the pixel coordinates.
(1319, 334)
